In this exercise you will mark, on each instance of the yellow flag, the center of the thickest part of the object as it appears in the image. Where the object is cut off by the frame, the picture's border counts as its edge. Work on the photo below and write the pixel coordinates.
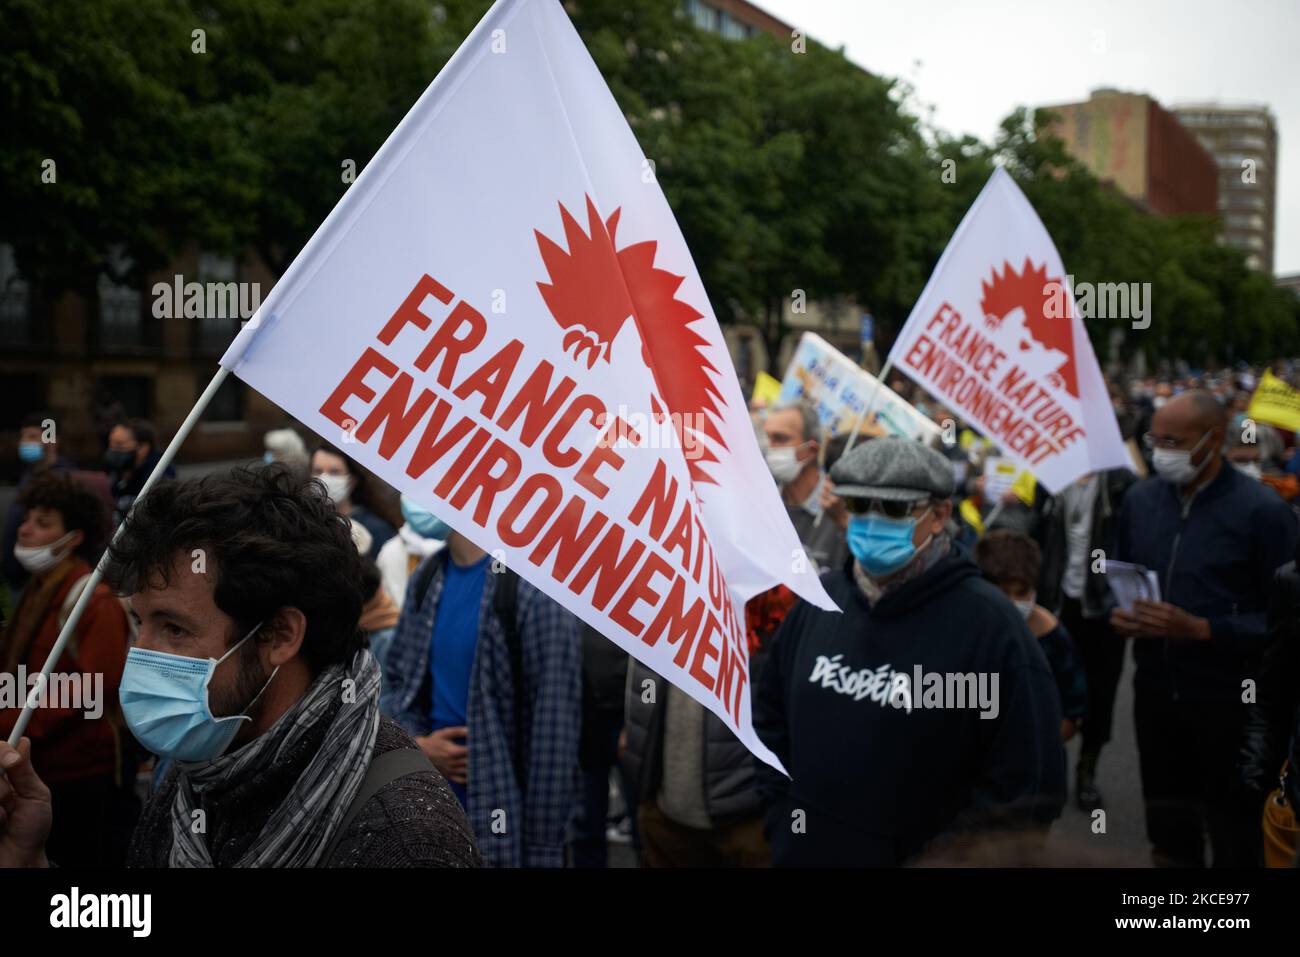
(1275, 403)
(1024, 486)
(767, 388)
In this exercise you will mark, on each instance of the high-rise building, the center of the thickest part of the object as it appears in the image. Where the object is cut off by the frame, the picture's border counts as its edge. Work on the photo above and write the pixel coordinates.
(1132, 142)
(1243, 141)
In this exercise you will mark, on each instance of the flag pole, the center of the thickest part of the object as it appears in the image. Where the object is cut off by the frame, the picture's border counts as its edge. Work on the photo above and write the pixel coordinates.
(98, 573)
(853, 436)
(871, 401)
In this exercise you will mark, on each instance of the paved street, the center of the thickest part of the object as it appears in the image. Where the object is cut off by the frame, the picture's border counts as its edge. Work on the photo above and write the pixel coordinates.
(1124, 843)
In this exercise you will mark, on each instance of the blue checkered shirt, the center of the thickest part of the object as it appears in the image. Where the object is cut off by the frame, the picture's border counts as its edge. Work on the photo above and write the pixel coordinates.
(511, 830)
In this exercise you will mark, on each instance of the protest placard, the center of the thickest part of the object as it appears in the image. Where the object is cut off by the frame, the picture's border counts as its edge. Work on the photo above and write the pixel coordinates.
(839, 389)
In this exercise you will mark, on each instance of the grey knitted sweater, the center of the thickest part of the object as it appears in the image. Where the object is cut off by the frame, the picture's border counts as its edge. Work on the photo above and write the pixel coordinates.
(414, 821)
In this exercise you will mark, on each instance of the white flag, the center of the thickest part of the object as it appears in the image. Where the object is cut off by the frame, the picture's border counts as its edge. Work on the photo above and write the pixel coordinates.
(502, 320)
(996, 337)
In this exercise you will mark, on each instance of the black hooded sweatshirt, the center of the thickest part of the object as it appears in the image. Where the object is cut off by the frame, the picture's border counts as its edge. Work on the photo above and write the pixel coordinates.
(872, 783)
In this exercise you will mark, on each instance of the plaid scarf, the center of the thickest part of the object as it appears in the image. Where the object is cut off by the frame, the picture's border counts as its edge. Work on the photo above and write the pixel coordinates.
(302, 826)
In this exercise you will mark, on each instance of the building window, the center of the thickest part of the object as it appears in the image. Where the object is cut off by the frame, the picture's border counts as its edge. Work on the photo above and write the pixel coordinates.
(121, 306)
(21, 393)
(732, 28)
(1248, 142)
(705, 16)
(227, 405)
(1237, 197)
(1247, 242)
(217, 326)
(15, 301)
(215, 268)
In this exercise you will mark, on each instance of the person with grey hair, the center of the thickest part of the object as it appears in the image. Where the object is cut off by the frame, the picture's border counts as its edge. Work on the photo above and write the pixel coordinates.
(285, 445)
(924, 718)
(793, 447)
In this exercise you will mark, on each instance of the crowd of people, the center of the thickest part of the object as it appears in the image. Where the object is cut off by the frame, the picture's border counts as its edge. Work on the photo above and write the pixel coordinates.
(326, 674)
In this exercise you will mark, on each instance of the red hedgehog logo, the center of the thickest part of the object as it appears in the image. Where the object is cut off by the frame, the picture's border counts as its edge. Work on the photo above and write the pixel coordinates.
(1031, 290)
(595, 288)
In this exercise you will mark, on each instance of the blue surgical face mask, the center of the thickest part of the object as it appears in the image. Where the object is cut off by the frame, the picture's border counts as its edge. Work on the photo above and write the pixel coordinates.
(882, 545)
(268, 457)
(29, 453)
(423, 522)
(165, 703)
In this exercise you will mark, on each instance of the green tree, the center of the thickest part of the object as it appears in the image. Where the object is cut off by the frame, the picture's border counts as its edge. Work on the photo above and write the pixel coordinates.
(787, 169)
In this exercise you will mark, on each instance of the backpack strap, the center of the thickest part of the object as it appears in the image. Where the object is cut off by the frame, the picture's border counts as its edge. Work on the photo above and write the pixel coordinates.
(384, 770)
(505, 604)
(424, 578)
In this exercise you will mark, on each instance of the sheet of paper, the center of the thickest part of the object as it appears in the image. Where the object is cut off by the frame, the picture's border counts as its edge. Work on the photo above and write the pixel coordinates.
(999, 475)
(1129, 582)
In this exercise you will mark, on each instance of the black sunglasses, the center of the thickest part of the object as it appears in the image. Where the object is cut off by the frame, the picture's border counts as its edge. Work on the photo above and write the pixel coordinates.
(887, 507)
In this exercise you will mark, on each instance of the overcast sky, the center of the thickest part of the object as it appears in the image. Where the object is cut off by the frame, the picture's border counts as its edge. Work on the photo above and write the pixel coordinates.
(976, 60)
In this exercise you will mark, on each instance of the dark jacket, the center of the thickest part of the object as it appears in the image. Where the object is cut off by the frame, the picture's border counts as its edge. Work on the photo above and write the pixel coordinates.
(729, 785)
(126, 486)
(823, 541)
(414, 821)
(604, 672)
(1096, 599)
(1067, 669)
(1215, 556)
(872, 783)
(1272, 732)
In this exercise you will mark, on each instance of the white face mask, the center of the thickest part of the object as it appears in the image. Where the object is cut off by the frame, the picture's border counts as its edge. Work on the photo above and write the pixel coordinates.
(40, 558)
(783, 463)
(1250, 468)
(1026, 607)
(337, 487)
(1175, 465)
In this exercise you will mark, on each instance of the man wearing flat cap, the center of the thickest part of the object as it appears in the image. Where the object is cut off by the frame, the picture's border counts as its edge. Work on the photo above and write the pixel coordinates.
(923, 721)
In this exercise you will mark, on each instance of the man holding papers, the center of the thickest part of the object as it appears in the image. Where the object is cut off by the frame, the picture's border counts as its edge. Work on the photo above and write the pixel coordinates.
(1214, 539)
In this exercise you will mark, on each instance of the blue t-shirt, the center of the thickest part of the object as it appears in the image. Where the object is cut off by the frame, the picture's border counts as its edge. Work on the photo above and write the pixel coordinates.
(451, 648)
